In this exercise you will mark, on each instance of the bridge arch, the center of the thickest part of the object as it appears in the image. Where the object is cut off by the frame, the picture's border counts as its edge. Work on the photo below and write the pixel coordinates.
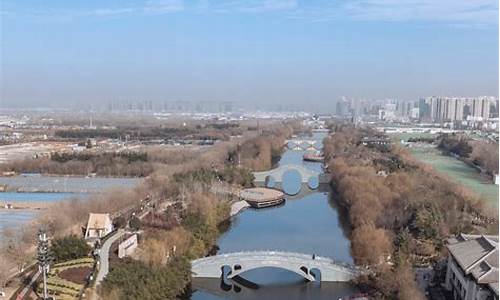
(278, 172)
(302, 264)
(303, 144)
(301, 271)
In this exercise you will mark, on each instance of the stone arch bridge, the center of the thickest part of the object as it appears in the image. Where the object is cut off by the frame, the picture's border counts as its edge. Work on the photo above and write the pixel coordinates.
(260, 178)
(305, 265)
(300, 145)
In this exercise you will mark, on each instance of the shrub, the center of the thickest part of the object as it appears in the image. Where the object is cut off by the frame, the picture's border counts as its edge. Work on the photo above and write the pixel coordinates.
(135, 223)
(119, 222)
(69, 247)
(136, 280)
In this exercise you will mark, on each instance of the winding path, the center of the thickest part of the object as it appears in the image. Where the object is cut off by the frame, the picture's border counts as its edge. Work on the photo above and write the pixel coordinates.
(104, 256)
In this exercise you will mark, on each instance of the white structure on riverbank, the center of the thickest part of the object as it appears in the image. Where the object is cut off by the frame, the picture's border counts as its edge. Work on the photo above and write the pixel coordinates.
(472, 271)
(98, 226)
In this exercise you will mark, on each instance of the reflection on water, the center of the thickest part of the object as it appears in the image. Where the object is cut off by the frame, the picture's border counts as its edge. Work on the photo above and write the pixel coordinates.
(211, 289)
(313, 182)
(308, 224)
(270, 182)
(291, 182)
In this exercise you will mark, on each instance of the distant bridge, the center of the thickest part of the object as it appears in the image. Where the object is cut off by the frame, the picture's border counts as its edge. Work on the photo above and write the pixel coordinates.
(305, 265)
(300, 145)
(309, 178)
(277, 174)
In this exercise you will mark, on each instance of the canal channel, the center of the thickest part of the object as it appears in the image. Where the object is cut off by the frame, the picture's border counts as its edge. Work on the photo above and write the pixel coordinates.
(309, 224)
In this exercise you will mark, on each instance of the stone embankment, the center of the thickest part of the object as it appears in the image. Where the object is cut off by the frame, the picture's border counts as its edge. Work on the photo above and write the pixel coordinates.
(239, 206)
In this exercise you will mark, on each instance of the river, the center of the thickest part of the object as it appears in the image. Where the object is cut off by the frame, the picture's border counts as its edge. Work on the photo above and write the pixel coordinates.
(310, 224)
(39, 191)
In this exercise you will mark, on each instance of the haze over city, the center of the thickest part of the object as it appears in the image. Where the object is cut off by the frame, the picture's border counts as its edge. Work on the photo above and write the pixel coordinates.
(259, 54)
(249, 150)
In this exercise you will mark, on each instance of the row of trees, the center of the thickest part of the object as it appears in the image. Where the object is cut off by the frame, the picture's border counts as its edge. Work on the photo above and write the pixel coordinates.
(400, 216)
(263, 151)
(210, 131)
(455, 145)
(253, 152)
(69, 164)
(186, 230)
(481, 153)
(86, 156)
(190, 229)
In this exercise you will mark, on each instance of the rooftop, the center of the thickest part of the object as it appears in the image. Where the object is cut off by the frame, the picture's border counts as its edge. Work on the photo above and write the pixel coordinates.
(98, 221)
(260, 194)
(477, 255)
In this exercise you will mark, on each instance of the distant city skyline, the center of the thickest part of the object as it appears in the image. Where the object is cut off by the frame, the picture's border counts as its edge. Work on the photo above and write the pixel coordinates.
(268, 53)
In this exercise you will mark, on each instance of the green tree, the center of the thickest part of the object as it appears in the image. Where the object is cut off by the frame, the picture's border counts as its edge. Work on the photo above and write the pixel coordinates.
(69, 247)
(119, 222)
(136, 280)
(135, 223)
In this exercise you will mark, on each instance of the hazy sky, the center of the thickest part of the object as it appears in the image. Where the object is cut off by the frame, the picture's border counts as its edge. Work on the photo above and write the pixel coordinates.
(306, 53)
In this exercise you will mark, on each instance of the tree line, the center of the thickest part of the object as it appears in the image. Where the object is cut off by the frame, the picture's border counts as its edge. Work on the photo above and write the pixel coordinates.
(188, 228)
(477, 152)
(400, 211)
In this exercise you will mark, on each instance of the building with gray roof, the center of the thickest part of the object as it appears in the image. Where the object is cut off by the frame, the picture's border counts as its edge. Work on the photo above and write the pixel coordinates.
(472, 270)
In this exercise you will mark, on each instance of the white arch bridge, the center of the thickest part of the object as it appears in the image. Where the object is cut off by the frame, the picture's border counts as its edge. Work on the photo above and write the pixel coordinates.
(305, 265)
(300, 145)
(277, 173)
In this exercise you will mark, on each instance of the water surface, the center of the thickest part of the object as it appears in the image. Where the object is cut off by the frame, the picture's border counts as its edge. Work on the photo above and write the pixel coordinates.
(309, 225)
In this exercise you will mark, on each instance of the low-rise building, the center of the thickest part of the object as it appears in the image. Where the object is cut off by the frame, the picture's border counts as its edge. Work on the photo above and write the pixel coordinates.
(98, 226)
(472, 267)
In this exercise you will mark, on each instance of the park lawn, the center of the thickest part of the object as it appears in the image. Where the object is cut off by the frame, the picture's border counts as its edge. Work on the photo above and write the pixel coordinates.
(67, 279)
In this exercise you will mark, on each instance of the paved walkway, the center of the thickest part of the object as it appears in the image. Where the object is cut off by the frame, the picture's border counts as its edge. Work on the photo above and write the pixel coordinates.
(27, 288)
(238, 206)
(104, 256)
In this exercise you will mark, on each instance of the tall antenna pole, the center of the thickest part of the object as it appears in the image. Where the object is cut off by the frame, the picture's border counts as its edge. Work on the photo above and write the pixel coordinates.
(43, 259)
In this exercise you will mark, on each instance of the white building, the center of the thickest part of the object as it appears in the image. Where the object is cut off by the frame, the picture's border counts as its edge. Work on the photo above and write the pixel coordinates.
(99, 225)
(388, 112)
(451, 109)
(472, 270)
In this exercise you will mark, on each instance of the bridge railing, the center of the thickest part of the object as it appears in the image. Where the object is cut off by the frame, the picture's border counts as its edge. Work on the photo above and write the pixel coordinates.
(283, 254)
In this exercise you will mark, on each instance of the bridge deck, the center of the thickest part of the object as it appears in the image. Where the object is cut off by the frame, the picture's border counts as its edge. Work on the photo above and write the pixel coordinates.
(278, 173)
(302, 264)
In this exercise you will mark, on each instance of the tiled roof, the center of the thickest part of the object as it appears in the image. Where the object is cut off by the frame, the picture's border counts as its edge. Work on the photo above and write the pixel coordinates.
(98, 221)
(477, 255)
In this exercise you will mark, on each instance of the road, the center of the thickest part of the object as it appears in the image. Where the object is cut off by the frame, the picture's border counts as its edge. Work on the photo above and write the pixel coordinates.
(104, 256)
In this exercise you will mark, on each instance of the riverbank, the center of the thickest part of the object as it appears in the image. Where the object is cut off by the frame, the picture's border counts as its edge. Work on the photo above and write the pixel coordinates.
(412, 210)
(238, 207)
(457, 171)
(32, 205)
(310, 224)
(64, 184)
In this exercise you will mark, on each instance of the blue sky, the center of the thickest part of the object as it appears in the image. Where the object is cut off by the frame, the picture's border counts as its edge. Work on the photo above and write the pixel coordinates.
(305, 54)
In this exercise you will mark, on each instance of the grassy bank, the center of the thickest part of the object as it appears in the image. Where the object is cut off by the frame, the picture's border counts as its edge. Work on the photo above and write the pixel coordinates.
(459, 172)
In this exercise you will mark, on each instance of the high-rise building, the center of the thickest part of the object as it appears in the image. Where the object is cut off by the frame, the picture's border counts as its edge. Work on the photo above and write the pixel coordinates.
(451, 109)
